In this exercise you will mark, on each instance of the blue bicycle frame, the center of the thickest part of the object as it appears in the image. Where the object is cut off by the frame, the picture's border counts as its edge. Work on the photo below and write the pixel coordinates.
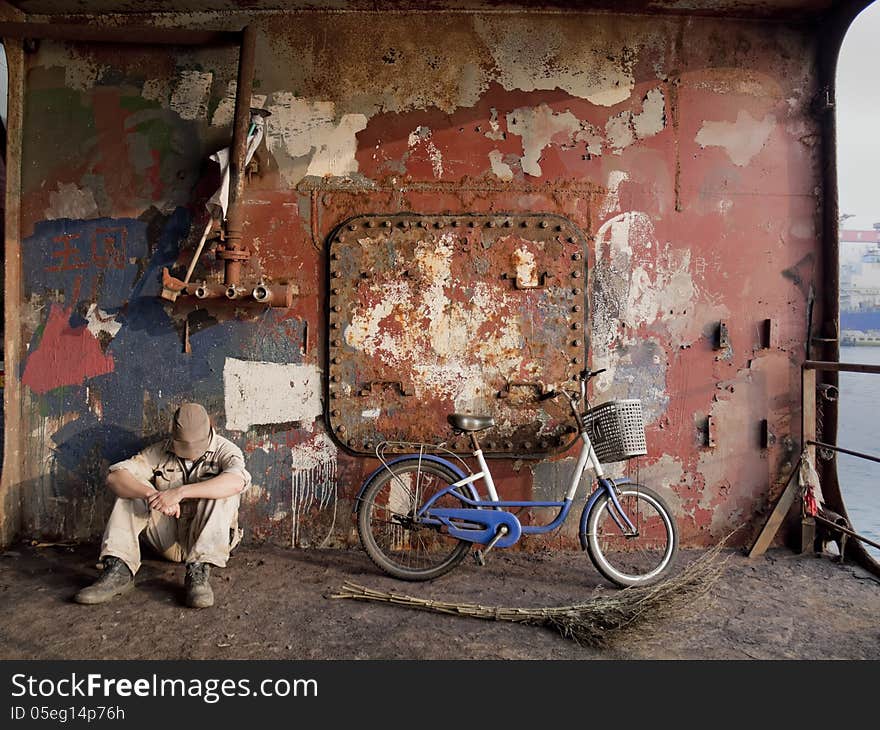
(480, 520)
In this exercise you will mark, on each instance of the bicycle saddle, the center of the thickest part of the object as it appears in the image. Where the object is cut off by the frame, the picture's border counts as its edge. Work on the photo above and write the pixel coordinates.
(463, 422)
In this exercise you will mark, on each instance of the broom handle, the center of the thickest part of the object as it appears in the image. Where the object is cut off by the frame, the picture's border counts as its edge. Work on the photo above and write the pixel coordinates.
(192, 264)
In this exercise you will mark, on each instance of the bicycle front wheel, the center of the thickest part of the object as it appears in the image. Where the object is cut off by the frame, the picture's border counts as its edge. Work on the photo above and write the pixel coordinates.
(395, 541)
(632, 557)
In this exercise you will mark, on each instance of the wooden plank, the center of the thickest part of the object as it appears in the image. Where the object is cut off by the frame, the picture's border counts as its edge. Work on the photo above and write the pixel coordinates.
(783, 504)
(792, 486)
(808, 412)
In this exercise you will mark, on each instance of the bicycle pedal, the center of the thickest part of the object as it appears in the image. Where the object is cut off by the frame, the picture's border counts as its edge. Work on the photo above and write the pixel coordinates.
(478, 558)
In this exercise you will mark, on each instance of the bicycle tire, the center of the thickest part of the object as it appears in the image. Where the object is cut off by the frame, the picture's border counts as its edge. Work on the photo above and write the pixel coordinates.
(413, 553)
(639, 560)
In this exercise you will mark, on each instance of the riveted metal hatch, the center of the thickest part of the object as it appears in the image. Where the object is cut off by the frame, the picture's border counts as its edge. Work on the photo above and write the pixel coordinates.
(431, 315)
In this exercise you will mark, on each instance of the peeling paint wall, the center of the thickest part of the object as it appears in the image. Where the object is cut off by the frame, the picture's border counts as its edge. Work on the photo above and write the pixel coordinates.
(683, 147)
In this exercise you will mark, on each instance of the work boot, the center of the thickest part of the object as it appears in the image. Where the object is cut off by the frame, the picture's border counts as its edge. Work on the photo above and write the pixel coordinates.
(198, 589)
(115, 580)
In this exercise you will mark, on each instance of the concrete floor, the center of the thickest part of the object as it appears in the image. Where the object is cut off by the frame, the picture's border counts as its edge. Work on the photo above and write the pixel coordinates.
(271, 604)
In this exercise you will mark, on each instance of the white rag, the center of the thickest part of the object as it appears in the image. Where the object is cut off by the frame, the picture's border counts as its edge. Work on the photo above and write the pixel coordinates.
(809, 479)
(220, 199)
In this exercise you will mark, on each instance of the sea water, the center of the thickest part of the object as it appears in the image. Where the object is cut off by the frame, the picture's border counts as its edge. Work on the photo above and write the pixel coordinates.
(859, 414)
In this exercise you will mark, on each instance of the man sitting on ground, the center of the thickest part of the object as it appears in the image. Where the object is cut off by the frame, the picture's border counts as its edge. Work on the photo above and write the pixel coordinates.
(181, 495)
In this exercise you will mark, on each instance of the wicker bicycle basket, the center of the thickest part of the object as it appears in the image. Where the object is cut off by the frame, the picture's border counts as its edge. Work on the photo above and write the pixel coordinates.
(617, 430)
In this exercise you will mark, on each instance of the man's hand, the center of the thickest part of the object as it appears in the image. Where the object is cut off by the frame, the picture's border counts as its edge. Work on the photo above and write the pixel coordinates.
(167, 501)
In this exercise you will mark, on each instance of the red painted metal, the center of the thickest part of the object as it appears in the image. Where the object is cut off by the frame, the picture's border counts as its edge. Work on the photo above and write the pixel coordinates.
(687, 223)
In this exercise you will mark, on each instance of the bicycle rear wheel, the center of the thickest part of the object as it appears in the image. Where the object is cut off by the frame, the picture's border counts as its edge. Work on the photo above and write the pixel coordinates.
(395, 542)
(629, 558)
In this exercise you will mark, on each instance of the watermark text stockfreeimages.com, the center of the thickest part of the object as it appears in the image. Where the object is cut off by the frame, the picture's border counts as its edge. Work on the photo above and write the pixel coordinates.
(209, 690)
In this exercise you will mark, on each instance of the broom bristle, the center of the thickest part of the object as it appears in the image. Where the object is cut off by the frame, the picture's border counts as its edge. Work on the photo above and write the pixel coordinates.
(596, 622)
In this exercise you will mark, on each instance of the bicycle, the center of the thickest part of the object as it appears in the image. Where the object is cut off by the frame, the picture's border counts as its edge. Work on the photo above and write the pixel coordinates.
(419, 514)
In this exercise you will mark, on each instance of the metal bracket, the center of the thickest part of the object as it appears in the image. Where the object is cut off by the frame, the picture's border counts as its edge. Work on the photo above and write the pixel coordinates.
(537, 385)
(768, 438)
(377, 386)
(769, 334)
(722, 336)
(540, 282)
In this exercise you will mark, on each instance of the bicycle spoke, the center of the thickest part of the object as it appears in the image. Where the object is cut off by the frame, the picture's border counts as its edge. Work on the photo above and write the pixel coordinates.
(630, 556)
(395, 532)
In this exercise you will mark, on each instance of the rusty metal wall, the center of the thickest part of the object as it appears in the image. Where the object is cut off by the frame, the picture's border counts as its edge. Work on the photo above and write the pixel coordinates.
(684, 150)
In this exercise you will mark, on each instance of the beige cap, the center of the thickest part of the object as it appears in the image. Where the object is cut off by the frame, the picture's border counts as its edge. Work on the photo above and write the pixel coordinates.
(190, 431)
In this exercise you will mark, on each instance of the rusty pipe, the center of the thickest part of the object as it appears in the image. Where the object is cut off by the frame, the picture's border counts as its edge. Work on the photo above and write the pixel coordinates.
(241, 120)
(234, 291)
(232, 253)
(128, 35)
(274, 295)
(206, 291)
(277, 295)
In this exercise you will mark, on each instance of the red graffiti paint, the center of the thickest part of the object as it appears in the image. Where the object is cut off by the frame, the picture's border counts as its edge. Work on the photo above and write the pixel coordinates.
(65, 356)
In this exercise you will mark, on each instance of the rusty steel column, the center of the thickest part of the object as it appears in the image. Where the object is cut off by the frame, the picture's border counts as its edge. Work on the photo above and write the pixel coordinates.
(11, 476)
(830, 32)
(129, 35)
(233, 253)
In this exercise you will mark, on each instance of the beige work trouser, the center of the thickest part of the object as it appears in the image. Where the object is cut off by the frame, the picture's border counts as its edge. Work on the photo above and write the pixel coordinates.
(206, 531)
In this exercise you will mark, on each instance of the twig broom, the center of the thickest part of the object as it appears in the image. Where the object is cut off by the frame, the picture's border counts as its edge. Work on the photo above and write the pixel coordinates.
(594, 623)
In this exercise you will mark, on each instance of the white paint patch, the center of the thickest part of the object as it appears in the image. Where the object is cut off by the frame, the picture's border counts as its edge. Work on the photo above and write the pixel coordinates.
(592, 136)
(625, 128)
(663, 291)
(612, 272)
(638, 283)
(499, 167)
(99, 321)
(335, 153)
(667, 474)
(297, 123)
(741, 140)
(300, 128)
(611, 203)
(225, 110)
(619, 86)
(494, 132)
(190, 95)
(313, 467)
(267, 392)
(533, 54)
(538, 127)
(619, 133)
(652, 119)
(526, 268)
(71, 201)
(371, 413)
(421, 136)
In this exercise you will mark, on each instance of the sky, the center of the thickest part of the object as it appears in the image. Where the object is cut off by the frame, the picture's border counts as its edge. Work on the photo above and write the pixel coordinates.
(858, 121)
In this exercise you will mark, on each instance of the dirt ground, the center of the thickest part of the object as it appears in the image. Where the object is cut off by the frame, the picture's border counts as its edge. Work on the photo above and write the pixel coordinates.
(271, 604)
